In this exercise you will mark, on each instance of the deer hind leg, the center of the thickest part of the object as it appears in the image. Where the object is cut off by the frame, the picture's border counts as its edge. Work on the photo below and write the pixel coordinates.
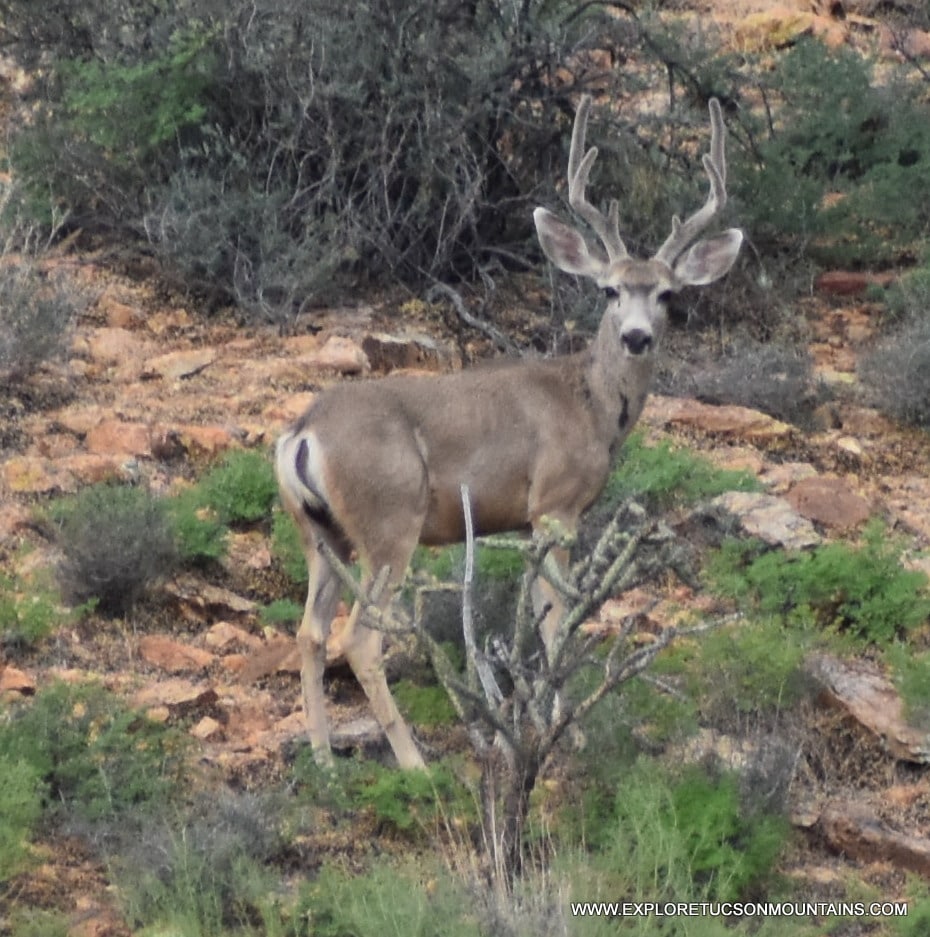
(322, 599)
(363, 649)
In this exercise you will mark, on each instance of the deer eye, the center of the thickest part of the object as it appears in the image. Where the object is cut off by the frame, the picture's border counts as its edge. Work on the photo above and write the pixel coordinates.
(665, 296)
(611, 292)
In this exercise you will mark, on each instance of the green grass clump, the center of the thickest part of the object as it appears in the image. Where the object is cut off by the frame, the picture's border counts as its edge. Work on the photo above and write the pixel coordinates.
(424, 705)
(862, 591)
(96, 758)
(666, 474)
(242, 488)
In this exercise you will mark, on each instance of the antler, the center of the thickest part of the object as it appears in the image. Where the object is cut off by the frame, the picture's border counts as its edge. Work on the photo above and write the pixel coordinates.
(715, 165)
(607, 227)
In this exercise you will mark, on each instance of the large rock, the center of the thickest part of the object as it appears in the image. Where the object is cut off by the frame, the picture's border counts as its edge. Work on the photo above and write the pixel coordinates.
(768, 517)
(859, 688)
(831, 502)
(729, 421)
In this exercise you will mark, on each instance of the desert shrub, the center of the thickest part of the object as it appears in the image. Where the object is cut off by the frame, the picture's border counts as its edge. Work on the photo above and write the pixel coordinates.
(896, 374)
(685, 836)
(116, 542)
(775, 378)
(911, 673)
(281, 611)
(424, 705)
(386, 901)
(206, 871)
(834, 131)
(863, 591)
(36, 312)
(242, 488)
(95, 757)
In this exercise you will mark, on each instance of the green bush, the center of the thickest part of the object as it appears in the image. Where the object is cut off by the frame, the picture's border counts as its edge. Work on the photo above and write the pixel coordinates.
(424, 705)
(200, 536)
(686, 837)
(116, 542)
(242, 488)
(96, 758)
(666, 474)
(833, 130)
(863, 590)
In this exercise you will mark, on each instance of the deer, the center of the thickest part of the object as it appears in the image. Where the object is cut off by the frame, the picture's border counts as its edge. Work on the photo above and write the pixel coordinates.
(375, 467)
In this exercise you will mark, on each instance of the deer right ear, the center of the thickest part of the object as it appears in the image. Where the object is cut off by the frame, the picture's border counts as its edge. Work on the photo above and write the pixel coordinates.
(565, 247)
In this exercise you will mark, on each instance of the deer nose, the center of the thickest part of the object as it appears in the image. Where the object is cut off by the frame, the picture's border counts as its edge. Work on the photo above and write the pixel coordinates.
(636, 341)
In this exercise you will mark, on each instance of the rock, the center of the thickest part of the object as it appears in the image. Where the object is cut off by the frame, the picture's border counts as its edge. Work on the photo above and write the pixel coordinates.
(205, 440)
(112, 346)
(279, 655)
(208, 730)
(202, 602)
(830, 502)
(860, 689)
(114, 437)
(15, 682)
(289, 409)
(178, 696)
(360, 733)
(781, 476)
(173, 656)
(176, 365)
(729, 421)
(768, 517)
(387, 353)
(341, 354)
(224, 634)
(850, 282)
(855, 830)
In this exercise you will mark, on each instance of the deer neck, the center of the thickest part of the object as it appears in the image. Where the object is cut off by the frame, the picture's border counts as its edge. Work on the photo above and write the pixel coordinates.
(619, 382)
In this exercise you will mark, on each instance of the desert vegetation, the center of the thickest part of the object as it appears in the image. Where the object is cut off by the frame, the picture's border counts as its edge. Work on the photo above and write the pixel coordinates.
(263, 161)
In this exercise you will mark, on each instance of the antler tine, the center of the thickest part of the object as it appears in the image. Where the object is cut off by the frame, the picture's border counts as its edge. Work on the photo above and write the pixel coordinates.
(607, 227)
(715, 165)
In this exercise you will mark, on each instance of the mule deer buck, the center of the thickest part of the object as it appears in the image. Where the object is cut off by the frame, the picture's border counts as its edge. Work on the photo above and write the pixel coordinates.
(376, 466)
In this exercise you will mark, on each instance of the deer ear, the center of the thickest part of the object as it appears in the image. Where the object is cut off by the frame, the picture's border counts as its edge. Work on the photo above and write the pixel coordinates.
(565, 247)
(710, 259)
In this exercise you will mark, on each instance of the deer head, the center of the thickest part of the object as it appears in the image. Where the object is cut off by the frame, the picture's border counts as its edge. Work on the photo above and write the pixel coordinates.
(638, 290)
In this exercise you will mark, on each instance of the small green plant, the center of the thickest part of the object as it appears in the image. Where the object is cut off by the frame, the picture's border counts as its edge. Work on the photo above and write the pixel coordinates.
(201, 537)
(282, 611)
(424, 705)
(21, 796)
(35, 922)
(29, 611)
(116, 541)
(242, 488)
(863, 591)
(96, 757)
(667, 474)
(287, 548)
(409, 802)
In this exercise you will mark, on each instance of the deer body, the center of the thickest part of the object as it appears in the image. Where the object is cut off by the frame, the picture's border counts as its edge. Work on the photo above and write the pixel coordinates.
(377, 466)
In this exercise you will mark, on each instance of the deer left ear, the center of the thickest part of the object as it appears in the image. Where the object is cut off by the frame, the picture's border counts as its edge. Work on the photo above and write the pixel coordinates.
(710, 259)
